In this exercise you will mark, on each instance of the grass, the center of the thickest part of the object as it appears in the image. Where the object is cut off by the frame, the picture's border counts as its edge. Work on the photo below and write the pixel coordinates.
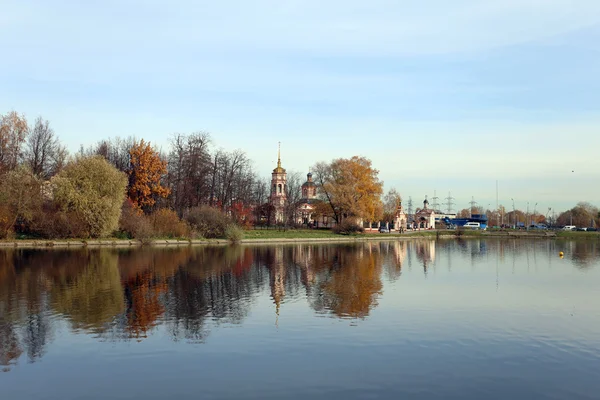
(289, 234)
(578, 235)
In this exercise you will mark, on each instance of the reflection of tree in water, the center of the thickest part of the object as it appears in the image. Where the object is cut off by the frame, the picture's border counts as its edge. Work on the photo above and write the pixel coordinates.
(10, 348)
(126, 294)
(92, 297)
(216, 283)
(348, 280)
(24, 306)
(584, 253)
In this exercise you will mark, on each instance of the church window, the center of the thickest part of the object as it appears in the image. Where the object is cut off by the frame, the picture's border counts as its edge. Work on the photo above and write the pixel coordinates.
(280, 188)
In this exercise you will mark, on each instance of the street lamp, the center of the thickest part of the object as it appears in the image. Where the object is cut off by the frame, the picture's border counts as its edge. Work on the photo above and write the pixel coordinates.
(514, 213)
(534, 208)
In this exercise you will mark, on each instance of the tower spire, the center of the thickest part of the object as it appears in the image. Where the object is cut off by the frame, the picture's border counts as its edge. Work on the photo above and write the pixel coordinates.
(279, 155)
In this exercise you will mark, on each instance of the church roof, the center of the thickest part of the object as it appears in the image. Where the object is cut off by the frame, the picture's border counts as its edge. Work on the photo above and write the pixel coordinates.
(279, 169)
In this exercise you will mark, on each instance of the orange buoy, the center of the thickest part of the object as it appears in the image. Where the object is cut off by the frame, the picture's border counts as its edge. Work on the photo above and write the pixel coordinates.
(561, 254)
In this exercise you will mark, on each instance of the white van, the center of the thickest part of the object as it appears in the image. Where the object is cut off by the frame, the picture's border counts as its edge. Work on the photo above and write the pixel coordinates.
(569, 228)
(472, 225)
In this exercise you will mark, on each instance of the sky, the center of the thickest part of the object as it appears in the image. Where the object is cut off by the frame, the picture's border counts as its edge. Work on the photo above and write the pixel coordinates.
(442, 96)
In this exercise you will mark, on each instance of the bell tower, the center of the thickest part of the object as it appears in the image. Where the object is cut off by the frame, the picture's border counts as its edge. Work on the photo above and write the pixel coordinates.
(278, 188)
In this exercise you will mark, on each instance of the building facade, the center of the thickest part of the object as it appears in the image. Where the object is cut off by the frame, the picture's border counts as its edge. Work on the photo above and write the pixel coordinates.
(425, 217)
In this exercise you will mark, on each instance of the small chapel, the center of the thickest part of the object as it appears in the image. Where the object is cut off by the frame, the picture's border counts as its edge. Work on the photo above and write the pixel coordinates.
(425, 217)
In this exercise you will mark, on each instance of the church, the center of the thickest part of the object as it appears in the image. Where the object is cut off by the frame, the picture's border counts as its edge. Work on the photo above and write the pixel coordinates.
(425, 217)
(302, 213)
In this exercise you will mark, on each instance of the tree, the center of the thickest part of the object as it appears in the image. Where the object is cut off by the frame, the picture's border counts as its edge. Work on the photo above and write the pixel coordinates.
(189, 170)
(583, 214)
(93, 190)
(145, 175)
(351, 187)
(13, 131)
(115, 151)
(390, 204)
(44, 154)
(20, 198)
(293, 192)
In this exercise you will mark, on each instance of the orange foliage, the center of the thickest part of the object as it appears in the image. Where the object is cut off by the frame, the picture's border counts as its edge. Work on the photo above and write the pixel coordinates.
(145, 173)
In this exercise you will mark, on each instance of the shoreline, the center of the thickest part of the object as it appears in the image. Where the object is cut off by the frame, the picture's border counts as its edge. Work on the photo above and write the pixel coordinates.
(124, 243)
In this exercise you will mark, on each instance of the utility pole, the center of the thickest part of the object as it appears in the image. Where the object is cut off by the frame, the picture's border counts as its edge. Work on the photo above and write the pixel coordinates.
(449, 203)
(435, 204)
(472, 203)
(497, 194)
(514, 213)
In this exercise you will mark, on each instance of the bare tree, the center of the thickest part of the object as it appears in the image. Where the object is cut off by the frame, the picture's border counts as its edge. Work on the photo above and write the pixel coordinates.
(293, 192)
(44, 153)
(390, 204)
(189, 170)
(115, 151)
(13, 131)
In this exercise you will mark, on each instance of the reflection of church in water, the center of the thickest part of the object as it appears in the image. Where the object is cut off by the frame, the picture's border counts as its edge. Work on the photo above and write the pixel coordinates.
(425, 251)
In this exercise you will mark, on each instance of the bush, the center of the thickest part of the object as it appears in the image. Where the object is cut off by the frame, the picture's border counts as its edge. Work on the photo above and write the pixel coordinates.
(134, 223)
(208, 222)
(20, 200)
(234, 233)
(166, 223)
(93, 190)
(54, 223)
(348, 228)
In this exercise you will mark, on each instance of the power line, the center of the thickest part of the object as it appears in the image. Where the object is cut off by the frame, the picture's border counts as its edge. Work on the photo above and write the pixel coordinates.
(473, 203)
(449, 203)
(435, 204)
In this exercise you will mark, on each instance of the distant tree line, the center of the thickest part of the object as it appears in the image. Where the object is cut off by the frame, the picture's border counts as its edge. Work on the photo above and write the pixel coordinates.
(133, 189)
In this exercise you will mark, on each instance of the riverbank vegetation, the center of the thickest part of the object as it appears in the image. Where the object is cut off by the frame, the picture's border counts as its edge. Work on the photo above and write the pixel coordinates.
(129, 188)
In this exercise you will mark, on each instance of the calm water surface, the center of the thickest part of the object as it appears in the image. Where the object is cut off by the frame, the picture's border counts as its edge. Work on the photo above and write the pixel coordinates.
(470, 319)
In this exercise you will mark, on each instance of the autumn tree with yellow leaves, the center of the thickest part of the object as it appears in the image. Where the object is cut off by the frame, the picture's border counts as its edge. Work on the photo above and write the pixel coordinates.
(145, 174)
(351, 187)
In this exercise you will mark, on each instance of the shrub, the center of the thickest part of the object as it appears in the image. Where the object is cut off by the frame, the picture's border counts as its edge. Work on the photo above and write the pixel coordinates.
(93, 190)
(54, 223)
(348, 228)
(234, 233)
(166, 223)
(20, 200)
(134, 223)
(208, 222)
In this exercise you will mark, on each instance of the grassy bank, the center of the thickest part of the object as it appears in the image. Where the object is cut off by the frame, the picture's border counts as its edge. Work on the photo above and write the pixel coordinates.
(274, 235)
(578, 235)
(290, 234)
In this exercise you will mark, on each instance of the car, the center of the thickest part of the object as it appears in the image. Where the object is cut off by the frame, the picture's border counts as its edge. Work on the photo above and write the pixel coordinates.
(581, 229)
(472, 225)
(569, 228)
(383, 229)
(592, 229)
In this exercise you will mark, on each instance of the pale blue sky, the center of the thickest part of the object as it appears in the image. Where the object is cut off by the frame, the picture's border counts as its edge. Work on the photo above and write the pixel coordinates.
(445, 95)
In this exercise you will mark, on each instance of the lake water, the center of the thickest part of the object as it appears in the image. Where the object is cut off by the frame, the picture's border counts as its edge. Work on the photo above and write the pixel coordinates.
(448, 319)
